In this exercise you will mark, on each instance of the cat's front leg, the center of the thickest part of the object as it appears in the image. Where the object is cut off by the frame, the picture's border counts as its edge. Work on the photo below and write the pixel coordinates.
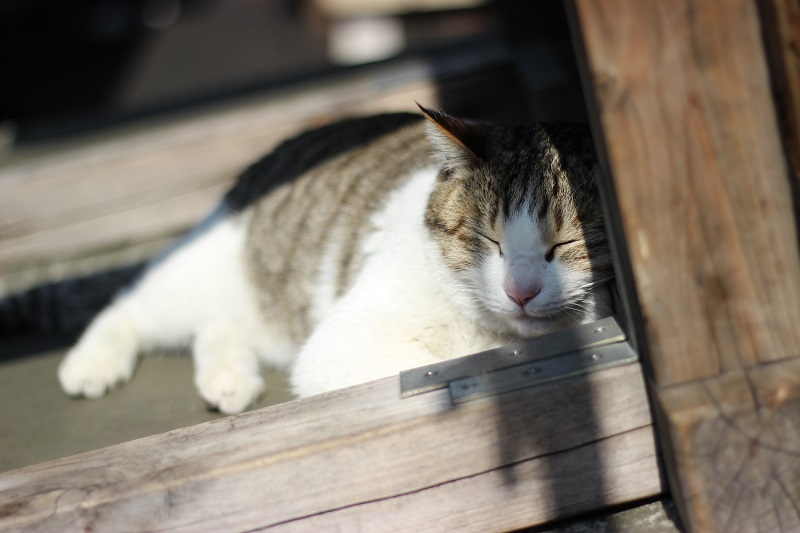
(227, 369)
(104, 357)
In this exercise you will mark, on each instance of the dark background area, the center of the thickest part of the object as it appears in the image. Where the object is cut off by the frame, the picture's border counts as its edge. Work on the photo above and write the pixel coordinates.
(69, 67)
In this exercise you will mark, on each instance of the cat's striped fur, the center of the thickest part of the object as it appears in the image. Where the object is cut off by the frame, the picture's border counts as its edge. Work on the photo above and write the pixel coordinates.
(366, 247)
(320, 221)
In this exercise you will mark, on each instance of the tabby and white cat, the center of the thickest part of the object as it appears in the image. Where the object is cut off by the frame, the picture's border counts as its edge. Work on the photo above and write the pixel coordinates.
(364, 248)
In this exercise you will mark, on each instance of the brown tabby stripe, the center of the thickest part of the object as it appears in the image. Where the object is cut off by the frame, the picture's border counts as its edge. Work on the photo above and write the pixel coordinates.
(326, 210)
(372, 195)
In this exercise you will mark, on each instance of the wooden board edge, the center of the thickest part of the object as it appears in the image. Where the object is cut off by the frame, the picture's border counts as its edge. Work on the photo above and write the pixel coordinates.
(427, 459)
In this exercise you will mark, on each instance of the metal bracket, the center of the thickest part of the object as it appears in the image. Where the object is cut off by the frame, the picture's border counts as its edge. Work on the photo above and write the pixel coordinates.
(550, 369)
(558, 355)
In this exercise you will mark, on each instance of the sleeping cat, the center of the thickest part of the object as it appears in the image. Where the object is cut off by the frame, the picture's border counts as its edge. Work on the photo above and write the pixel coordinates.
(364, 248)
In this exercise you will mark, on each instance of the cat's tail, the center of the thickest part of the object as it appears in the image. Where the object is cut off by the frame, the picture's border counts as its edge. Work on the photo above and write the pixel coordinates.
(65, 306)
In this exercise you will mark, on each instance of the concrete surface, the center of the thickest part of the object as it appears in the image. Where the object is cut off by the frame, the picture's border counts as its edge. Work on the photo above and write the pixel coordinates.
(38, 422)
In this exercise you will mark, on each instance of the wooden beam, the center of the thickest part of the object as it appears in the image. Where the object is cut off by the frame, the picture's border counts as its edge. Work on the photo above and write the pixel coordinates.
(684, 103)
(362, 458)
(736, 438)
(680, 95)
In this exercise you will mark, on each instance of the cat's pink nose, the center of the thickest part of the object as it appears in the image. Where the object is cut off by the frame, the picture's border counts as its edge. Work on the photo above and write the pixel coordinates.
(523, 295)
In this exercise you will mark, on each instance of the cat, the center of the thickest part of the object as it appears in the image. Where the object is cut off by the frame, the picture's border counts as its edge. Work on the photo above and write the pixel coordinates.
(364, 248)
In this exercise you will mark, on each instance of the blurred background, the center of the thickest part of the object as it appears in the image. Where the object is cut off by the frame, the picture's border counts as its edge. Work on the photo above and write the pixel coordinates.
(72, 66)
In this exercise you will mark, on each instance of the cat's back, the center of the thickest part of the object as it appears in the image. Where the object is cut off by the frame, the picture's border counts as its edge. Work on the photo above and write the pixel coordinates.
(310, 208)
(296, 156)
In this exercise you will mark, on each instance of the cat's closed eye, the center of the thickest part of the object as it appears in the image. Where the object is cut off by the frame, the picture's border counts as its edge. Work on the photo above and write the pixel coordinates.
(551, 253)
(494, 242)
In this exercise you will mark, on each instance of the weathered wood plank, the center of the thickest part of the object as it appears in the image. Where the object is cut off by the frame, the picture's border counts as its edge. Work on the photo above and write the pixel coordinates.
(159, 180)
(475, 503)
(684, 105)
(738, 436)
(362, 456)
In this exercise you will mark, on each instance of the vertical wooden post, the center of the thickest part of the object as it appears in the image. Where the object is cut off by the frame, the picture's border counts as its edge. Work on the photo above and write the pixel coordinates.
(681, 99)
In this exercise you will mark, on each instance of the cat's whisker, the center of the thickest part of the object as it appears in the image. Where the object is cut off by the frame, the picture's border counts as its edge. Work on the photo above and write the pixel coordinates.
(592, 284)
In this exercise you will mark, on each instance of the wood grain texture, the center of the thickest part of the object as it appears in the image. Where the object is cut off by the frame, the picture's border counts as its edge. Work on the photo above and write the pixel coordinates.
(738, 437)
(683, 100)
(684, 107)
(362, 457)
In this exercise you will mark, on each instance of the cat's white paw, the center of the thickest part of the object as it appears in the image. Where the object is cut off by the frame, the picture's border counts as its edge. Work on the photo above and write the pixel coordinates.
(85, 372)
(104, 357)
(229, 390)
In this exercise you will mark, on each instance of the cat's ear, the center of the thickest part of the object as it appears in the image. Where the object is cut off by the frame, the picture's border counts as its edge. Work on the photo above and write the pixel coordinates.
(456, 143)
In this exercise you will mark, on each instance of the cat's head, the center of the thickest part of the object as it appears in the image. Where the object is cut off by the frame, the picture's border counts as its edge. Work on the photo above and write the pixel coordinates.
(516, 225)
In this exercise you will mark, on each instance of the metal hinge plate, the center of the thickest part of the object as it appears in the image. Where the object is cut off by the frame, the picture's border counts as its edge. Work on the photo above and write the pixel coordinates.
(558, 355)
(549, 369)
